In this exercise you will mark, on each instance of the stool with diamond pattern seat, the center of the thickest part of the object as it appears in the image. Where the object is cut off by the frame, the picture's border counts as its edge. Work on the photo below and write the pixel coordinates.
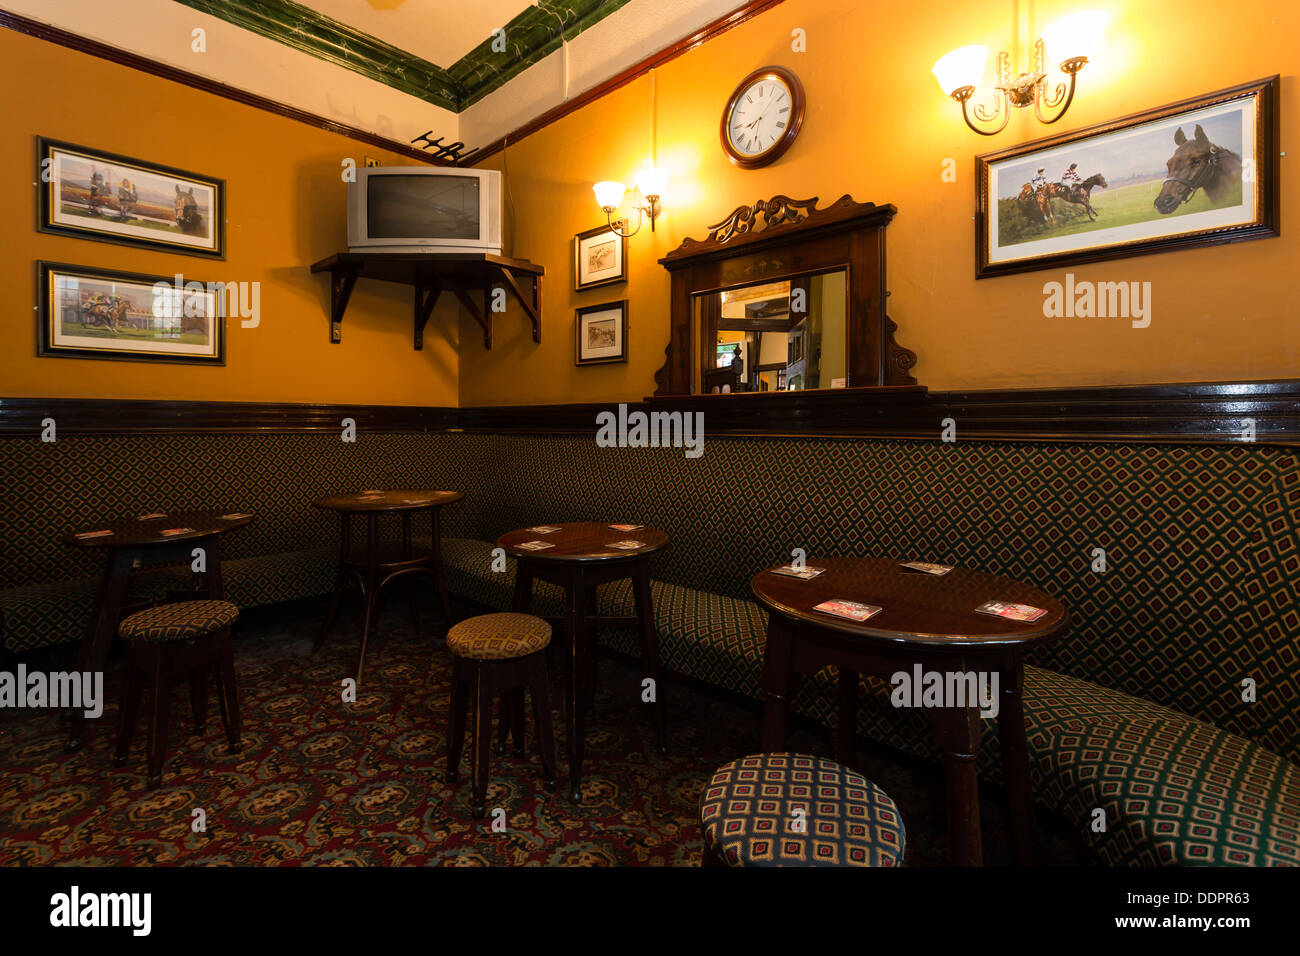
(783, 809)
(498, 654)
(187, 639)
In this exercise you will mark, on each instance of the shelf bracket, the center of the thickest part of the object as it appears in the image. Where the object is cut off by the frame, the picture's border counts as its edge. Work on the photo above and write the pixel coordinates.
(341, 283)
(426, 297)
(531, 308)
(483, 318)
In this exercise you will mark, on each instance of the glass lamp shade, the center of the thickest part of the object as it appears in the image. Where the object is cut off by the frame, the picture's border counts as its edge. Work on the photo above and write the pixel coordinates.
(651, 181)
(963, 66)
(609, 194)
(1076, 34)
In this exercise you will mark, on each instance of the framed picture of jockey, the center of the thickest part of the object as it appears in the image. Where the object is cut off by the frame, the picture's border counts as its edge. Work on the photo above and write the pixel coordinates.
(1198, 172)
(92, 313)
(96, 195)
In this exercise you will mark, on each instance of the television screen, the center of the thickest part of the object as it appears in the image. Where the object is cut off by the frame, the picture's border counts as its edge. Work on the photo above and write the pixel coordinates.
(419, 207)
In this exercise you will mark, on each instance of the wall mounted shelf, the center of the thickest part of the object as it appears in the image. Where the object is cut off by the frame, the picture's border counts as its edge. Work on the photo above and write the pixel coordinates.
(432, 274)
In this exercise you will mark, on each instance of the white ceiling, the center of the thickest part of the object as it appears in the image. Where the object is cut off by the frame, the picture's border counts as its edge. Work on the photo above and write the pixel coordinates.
(440, 31)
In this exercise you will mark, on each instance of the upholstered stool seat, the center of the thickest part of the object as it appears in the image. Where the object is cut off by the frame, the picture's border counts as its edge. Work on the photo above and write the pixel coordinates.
(190, 639)
(495, 637)
(784, 809)
(178, 622)
(498, 654)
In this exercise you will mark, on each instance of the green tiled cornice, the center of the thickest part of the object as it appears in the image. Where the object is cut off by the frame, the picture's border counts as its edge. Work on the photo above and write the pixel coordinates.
(531, 35)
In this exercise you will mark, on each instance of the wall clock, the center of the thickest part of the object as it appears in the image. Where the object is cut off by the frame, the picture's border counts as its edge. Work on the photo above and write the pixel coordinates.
(762, 118)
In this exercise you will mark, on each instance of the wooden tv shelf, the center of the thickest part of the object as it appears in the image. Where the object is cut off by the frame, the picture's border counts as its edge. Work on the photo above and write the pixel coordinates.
(431, 274)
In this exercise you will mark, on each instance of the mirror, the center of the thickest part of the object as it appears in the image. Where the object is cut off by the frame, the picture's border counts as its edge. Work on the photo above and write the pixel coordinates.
(784, 336)
(783, 297)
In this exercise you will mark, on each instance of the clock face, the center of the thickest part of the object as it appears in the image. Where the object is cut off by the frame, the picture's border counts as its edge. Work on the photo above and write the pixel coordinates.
(762, 117)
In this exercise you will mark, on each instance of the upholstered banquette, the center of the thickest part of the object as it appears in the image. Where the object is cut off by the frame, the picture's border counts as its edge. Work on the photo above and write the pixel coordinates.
(1170, 706)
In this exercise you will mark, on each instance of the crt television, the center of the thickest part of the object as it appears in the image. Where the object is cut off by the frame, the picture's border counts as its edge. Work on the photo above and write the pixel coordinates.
(419, 209)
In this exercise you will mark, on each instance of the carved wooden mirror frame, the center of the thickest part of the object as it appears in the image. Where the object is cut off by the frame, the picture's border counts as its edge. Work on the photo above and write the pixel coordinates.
(796, 240)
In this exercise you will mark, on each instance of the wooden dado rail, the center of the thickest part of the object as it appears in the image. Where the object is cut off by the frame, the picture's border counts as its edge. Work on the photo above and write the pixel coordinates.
(1163, 413)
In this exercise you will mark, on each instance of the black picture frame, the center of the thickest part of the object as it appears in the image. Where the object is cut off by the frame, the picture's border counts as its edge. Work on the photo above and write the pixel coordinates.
(53, 218)
(47, 339)
(1259, 97)
(580, 239)
(587, 310)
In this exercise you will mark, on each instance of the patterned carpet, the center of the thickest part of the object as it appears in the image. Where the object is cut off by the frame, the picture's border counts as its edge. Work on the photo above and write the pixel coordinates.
(322, 783)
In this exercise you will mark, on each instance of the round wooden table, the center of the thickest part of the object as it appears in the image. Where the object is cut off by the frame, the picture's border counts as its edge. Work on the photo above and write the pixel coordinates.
(385, 561)
(151, 538)
(580, 558)
(926, 620)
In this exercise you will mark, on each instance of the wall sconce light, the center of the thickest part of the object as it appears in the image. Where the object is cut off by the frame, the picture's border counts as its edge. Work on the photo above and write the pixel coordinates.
(650, 183)
(960, 71)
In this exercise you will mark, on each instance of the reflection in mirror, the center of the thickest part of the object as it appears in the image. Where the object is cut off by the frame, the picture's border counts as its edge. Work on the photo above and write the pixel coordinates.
(775, 337)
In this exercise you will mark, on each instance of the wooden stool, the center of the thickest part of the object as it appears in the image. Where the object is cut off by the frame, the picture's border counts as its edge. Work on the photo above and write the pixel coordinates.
(498, 654)
(794, 810)
(191, 638)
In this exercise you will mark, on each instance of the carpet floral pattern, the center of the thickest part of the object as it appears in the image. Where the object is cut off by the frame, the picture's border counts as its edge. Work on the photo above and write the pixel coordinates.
(320, 782)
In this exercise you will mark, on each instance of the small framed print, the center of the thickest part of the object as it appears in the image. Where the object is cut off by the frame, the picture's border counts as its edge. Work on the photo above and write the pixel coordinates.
(93, 194)
(101, 314)
(600, 333)
(599, 258)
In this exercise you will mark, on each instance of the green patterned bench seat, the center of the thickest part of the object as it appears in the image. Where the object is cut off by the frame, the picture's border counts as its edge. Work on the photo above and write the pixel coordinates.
(42, 615)
(1173, 790)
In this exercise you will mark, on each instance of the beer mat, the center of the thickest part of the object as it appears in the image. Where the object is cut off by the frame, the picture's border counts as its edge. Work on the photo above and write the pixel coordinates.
(850, 610)
(927, 567)
(1025, 613)
(534, 545)
(803, 574)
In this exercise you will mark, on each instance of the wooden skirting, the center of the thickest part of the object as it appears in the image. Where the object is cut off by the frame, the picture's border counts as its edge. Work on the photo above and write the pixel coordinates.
(1216, 413)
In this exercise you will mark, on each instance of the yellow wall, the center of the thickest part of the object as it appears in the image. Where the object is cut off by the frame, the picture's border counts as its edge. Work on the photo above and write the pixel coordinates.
(879, 128)
(285, 207)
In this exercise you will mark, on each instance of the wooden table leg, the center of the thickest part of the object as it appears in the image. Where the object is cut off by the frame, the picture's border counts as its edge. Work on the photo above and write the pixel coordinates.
(435, 535)
(372, 587)
(523, 601)
(412, 595)
(957, 734)
(213, 582)
(93, 653)
(645, 613)
(1015, 761)
(339, 578)
(846, 727)
(575, 619)
(776, 682)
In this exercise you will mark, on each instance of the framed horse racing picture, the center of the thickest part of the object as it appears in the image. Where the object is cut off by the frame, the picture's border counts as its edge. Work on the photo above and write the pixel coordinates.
(102, 314)
(1195, 173)
(92, 194)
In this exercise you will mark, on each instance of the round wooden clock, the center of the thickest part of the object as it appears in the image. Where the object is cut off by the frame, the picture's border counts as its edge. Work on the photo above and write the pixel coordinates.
(762, 117)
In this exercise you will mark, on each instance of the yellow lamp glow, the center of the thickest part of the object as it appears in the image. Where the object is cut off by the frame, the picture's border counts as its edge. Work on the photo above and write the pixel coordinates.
(609, 194)
(961, 67)
(1075, 35)
(651, 181)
